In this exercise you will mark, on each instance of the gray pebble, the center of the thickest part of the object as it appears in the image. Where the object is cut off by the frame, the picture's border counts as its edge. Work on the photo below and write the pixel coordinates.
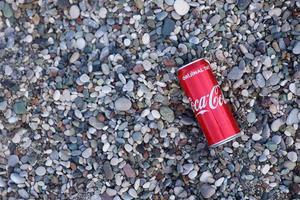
(123, 104)
(12, 160)
(16, 178)
(87, 153)
(296, 48)
(276, 124)
(293, 117)
(207, 191)
(167, 114)
(215, 20)
(235, 73)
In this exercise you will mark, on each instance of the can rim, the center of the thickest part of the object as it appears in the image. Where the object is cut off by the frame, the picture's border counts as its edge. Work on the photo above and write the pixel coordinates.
(186, 65)
(226, 140)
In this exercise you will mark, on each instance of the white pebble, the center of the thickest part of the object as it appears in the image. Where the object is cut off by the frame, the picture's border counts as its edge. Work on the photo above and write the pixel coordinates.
(56, 95)
(219, 182)
(292, 156)
(128, 147)
(105, 147)
(181, 7)
(80, 43)
(102, 12)
(146, 39)
(40, 171)
(74, 12)
(155, 114)
(265, 169)
(127, 42)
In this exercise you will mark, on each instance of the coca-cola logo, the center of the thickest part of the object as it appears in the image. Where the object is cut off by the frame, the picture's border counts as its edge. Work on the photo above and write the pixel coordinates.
(208, 102)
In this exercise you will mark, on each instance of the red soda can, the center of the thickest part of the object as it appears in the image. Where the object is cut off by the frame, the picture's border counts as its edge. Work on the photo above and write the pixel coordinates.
(208, 103)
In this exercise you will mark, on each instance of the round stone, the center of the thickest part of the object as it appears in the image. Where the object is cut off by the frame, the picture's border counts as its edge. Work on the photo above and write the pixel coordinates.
(215, 20)
(40, 171)
(256, 137)
(155, 114)
(265, 169)
(146, 39)
(16, 178)
(181, 7)
(80, 43)
(147, 65)
(207, 191)
(127, 42)
(128, 147)
(167, 113)
(20, 107)
(251, 117)
(123, 104)
(193, 174)
(56, 95)
(275, 126)
(296, 49)
(235, 73)
(12, 160)
(74, 12)
(87, 153)
(102, 12)
(219, 182)
(293, 117)
(292, 156)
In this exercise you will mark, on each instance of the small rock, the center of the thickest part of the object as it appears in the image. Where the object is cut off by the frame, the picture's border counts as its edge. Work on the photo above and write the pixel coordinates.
(293, 117)
(132, 193)
(40, 171)
(129, 172)
(146, 39)
(87, 153)
(74, 57)
(275, 12)
(80, 43)
(167, 114)
(20, 107)
(265, 169)
(147, 65)
(74, 12)
(16, 178)
(296, 49)
(260, 80)
(23, 193)
(205, 176)
(108, 171)
(168, 27)
(243, 4)
(292, 156)
(102, 12)
(275, 126)
(2, 183)
(138, 68)
(219, 182)
(137, 136)
(127, 42)
(7, 11)
(207, 191)
(128, 147)
(181, 7)
(84, 78)
(56, 95)
(215, 20)
(192, 175)
(8, 70)
(256, 137)
(235, 73)
(12, 160)
(123, 104)
(251, 117)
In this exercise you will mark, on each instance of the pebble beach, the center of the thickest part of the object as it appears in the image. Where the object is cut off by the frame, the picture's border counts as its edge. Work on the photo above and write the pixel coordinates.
(91, 107)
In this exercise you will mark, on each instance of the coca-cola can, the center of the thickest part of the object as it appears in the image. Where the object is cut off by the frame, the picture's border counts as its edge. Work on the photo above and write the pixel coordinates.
(208, 103)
